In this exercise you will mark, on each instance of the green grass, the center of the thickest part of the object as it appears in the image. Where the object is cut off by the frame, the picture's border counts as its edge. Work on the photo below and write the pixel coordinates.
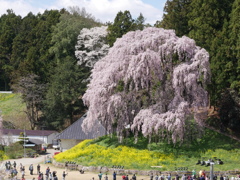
(107, 151)
(11, 104)
(12, 109)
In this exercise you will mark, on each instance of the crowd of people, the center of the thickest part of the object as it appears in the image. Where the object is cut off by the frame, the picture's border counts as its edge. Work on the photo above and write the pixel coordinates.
(36, 173)
(193, 176)
(12, 172)
(114, 177)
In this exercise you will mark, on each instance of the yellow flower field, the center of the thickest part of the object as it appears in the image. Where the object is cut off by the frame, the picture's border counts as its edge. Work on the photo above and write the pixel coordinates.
(93, 155)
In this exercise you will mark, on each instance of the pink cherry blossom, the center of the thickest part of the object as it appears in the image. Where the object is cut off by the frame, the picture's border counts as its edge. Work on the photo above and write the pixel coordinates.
(152, 80)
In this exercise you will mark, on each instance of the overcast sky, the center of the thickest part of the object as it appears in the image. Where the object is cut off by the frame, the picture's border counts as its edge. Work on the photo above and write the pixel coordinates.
(103, 10)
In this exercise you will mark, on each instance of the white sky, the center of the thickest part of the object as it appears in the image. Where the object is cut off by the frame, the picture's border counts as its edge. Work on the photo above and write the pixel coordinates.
(104, 10)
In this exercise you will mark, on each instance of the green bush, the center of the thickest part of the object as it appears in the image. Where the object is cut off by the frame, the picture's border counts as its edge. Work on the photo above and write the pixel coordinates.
(16, 150)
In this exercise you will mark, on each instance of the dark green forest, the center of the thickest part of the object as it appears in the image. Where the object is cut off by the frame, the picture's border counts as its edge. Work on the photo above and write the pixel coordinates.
(37, 57)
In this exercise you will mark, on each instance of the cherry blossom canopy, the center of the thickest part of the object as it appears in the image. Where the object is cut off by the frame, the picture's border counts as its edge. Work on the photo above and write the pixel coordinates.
(151, 80)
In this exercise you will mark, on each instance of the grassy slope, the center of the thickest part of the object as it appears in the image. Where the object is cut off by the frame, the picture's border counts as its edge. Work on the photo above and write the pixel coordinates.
(168, 156)
(13, 109)
(107, 151)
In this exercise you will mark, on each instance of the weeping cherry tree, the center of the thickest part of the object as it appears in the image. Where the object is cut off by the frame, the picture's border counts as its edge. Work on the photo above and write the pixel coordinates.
(151, 81)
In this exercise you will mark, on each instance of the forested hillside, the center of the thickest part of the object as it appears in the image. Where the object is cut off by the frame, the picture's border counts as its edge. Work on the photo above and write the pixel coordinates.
(37, 59)
(49, 57)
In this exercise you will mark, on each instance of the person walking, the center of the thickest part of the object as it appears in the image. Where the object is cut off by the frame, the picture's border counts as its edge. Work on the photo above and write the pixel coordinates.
(47, 170)
(151, 176)
(64, 175)
(46, 176)
(106, 177)
(38, 169)
(134, 177)
(169, 177)
(114, 175)
(54, 174)
(14, 164)
(177, 177)
(40, 176)
(15, 172)
(31, 169)
(23, 171)
(100, 176)
(50, 176)
(23, 178)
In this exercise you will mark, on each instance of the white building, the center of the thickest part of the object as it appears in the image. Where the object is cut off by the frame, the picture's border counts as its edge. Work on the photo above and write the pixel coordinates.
(12, 135)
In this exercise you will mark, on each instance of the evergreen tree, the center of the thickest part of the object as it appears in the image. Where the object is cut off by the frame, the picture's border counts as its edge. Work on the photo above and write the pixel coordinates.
(31, 46)
(140, 22)
(63, 102)
(122, 24)
(9, 28)
(206, 19)
(219, 60)
(22, 43)
(176, 16)
(234, 43)
(63, 99)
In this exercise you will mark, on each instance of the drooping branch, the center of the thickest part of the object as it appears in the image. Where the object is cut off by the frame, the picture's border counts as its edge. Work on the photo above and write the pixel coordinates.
(152, 80)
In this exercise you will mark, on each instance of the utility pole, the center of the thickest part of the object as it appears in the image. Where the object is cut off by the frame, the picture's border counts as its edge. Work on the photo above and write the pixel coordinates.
(24, 140)
(211, 170)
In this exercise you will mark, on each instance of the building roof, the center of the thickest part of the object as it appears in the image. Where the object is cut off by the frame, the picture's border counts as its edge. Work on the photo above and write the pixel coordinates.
(28, 132)
(75, 131)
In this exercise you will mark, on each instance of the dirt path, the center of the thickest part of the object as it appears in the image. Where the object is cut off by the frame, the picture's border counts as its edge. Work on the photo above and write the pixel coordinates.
(72, 174)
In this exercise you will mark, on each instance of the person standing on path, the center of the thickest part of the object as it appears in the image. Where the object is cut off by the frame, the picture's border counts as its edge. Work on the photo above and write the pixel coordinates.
(114, 175)
(169, 177)
(23, 170)
(31, 169)
(38, 168)
(14, 164)
(47, 170)
(134, 177)
(46, 176)
(100, 176)
(151, 176)
(54, 174)
(106, 177)
(64, 175)
(50, 176)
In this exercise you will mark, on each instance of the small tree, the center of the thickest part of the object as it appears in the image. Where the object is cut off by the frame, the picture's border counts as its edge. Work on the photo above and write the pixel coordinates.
(32, 94)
